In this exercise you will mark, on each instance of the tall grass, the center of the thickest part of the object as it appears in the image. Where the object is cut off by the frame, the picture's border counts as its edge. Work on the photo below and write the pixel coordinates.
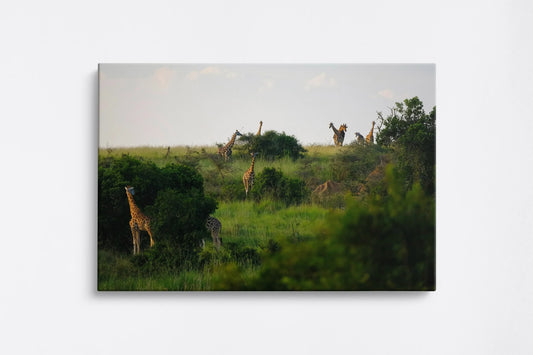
(254, 223)
(248, 227)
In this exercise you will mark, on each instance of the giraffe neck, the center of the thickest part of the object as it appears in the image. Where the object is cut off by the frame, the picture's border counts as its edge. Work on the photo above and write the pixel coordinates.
(252, 166)
(133, 207)
(335, 129)
(260, 125)
(232, 141)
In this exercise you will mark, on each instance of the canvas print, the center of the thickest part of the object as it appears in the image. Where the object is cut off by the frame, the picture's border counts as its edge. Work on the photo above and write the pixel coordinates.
(266, 177)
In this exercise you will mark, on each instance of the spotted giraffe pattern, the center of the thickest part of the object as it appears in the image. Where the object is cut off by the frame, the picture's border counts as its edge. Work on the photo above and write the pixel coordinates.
(249, 176)
(214, 226)
(338, 136)
(260, 125)
(139, 222)
(370, 136)
(226, 151)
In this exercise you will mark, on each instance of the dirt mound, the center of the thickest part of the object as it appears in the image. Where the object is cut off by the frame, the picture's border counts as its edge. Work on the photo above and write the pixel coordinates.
(329, 187)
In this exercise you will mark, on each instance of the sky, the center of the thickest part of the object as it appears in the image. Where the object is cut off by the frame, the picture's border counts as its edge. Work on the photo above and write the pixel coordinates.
(203, 104)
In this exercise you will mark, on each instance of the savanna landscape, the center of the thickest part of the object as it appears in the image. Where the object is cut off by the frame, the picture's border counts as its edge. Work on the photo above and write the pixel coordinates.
(358, 214)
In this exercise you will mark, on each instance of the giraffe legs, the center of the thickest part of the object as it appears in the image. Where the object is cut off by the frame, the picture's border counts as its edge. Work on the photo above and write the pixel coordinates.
(138, 241)
(246, 186)
(150, 234)
(134, 235)
(216, 240)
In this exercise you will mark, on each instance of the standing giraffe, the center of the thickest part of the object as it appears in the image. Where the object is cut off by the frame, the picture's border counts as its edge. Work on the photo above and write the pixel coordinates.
(370, 136)
(214, 226)
(338, 137)
(225, 151)
(260, 125)
(360, 138)
(249, 176)
(139, 222)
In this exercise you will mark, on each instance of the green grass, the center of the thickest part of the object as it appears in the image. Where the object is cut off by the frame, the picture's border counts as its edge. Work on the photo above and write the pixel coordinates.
(236, 167)
(247, 226)
(254, 223)
(183, 281)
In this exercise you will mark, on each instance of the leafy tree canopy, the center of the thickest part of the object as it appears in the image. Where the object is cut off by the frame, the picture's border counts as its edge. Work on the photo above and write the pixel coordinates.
(271, 145)
(411, 133)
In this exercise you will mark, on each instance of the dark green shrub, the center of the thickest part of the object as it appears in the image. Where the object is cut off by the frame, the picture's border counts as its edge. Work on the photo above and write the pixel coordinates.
(243, 255)
(171, 196)
(271, 145)
(271, 183)
(179, 217)
(382, 243)
(353, 165)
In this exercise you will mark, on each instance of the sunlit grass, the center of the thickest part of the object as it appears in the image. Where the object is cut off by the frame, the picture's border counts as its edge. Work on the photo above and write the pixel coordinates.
(254, 223)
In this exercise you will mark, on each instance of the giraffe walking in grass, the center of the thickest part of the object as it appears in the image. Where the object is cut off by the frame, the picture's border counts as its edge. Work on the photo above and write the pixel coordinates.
(338, 137)
(139, 222)
(226, 151)
(249, 176)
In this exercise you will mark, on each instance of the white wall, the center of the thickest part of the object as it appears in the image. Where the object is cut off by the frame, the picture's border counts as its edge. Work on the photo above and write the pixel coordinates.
(50, 51)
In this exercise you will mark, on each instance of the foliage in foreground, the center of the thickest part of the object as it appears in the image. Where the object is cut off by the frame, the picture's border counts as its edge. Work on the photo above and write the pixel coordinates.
(384, 243)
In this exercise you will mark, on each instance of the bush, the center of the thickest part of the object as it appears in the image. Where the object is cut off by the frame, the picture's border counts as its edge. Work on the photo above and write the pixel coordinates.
(272, 184)
(353, 165)
(271, 145)
(172, 196)
(382, 243)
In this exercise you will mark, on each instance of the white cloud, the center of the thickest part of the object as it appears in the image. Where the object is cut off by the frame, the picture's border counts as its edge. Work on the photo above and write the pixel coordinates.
(386, 93)
(320, 81)
(164, 75)
(211, 71)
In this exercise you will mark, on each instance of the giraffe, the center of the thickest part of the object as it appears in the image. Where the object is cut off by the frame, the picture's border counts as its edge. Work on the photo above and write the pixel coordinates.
(249, 176)
(338, 137)
(360, 138)
(139, 222)
(260, 125)
(225, 151)
(214, 226)
(370, 136)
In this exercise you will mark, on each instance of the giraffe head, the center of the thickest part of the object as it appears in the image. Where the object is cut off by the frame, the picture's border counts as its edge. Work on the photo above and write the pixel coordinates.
(237, 132)
(330, 124)
(130, 189)
(343, 127)
(253, 154)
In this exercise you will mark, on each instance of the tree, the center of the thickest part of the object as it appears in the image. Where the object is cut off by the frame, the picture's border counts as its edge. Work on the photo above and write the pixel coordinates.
(271, 145)
(411, 133)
